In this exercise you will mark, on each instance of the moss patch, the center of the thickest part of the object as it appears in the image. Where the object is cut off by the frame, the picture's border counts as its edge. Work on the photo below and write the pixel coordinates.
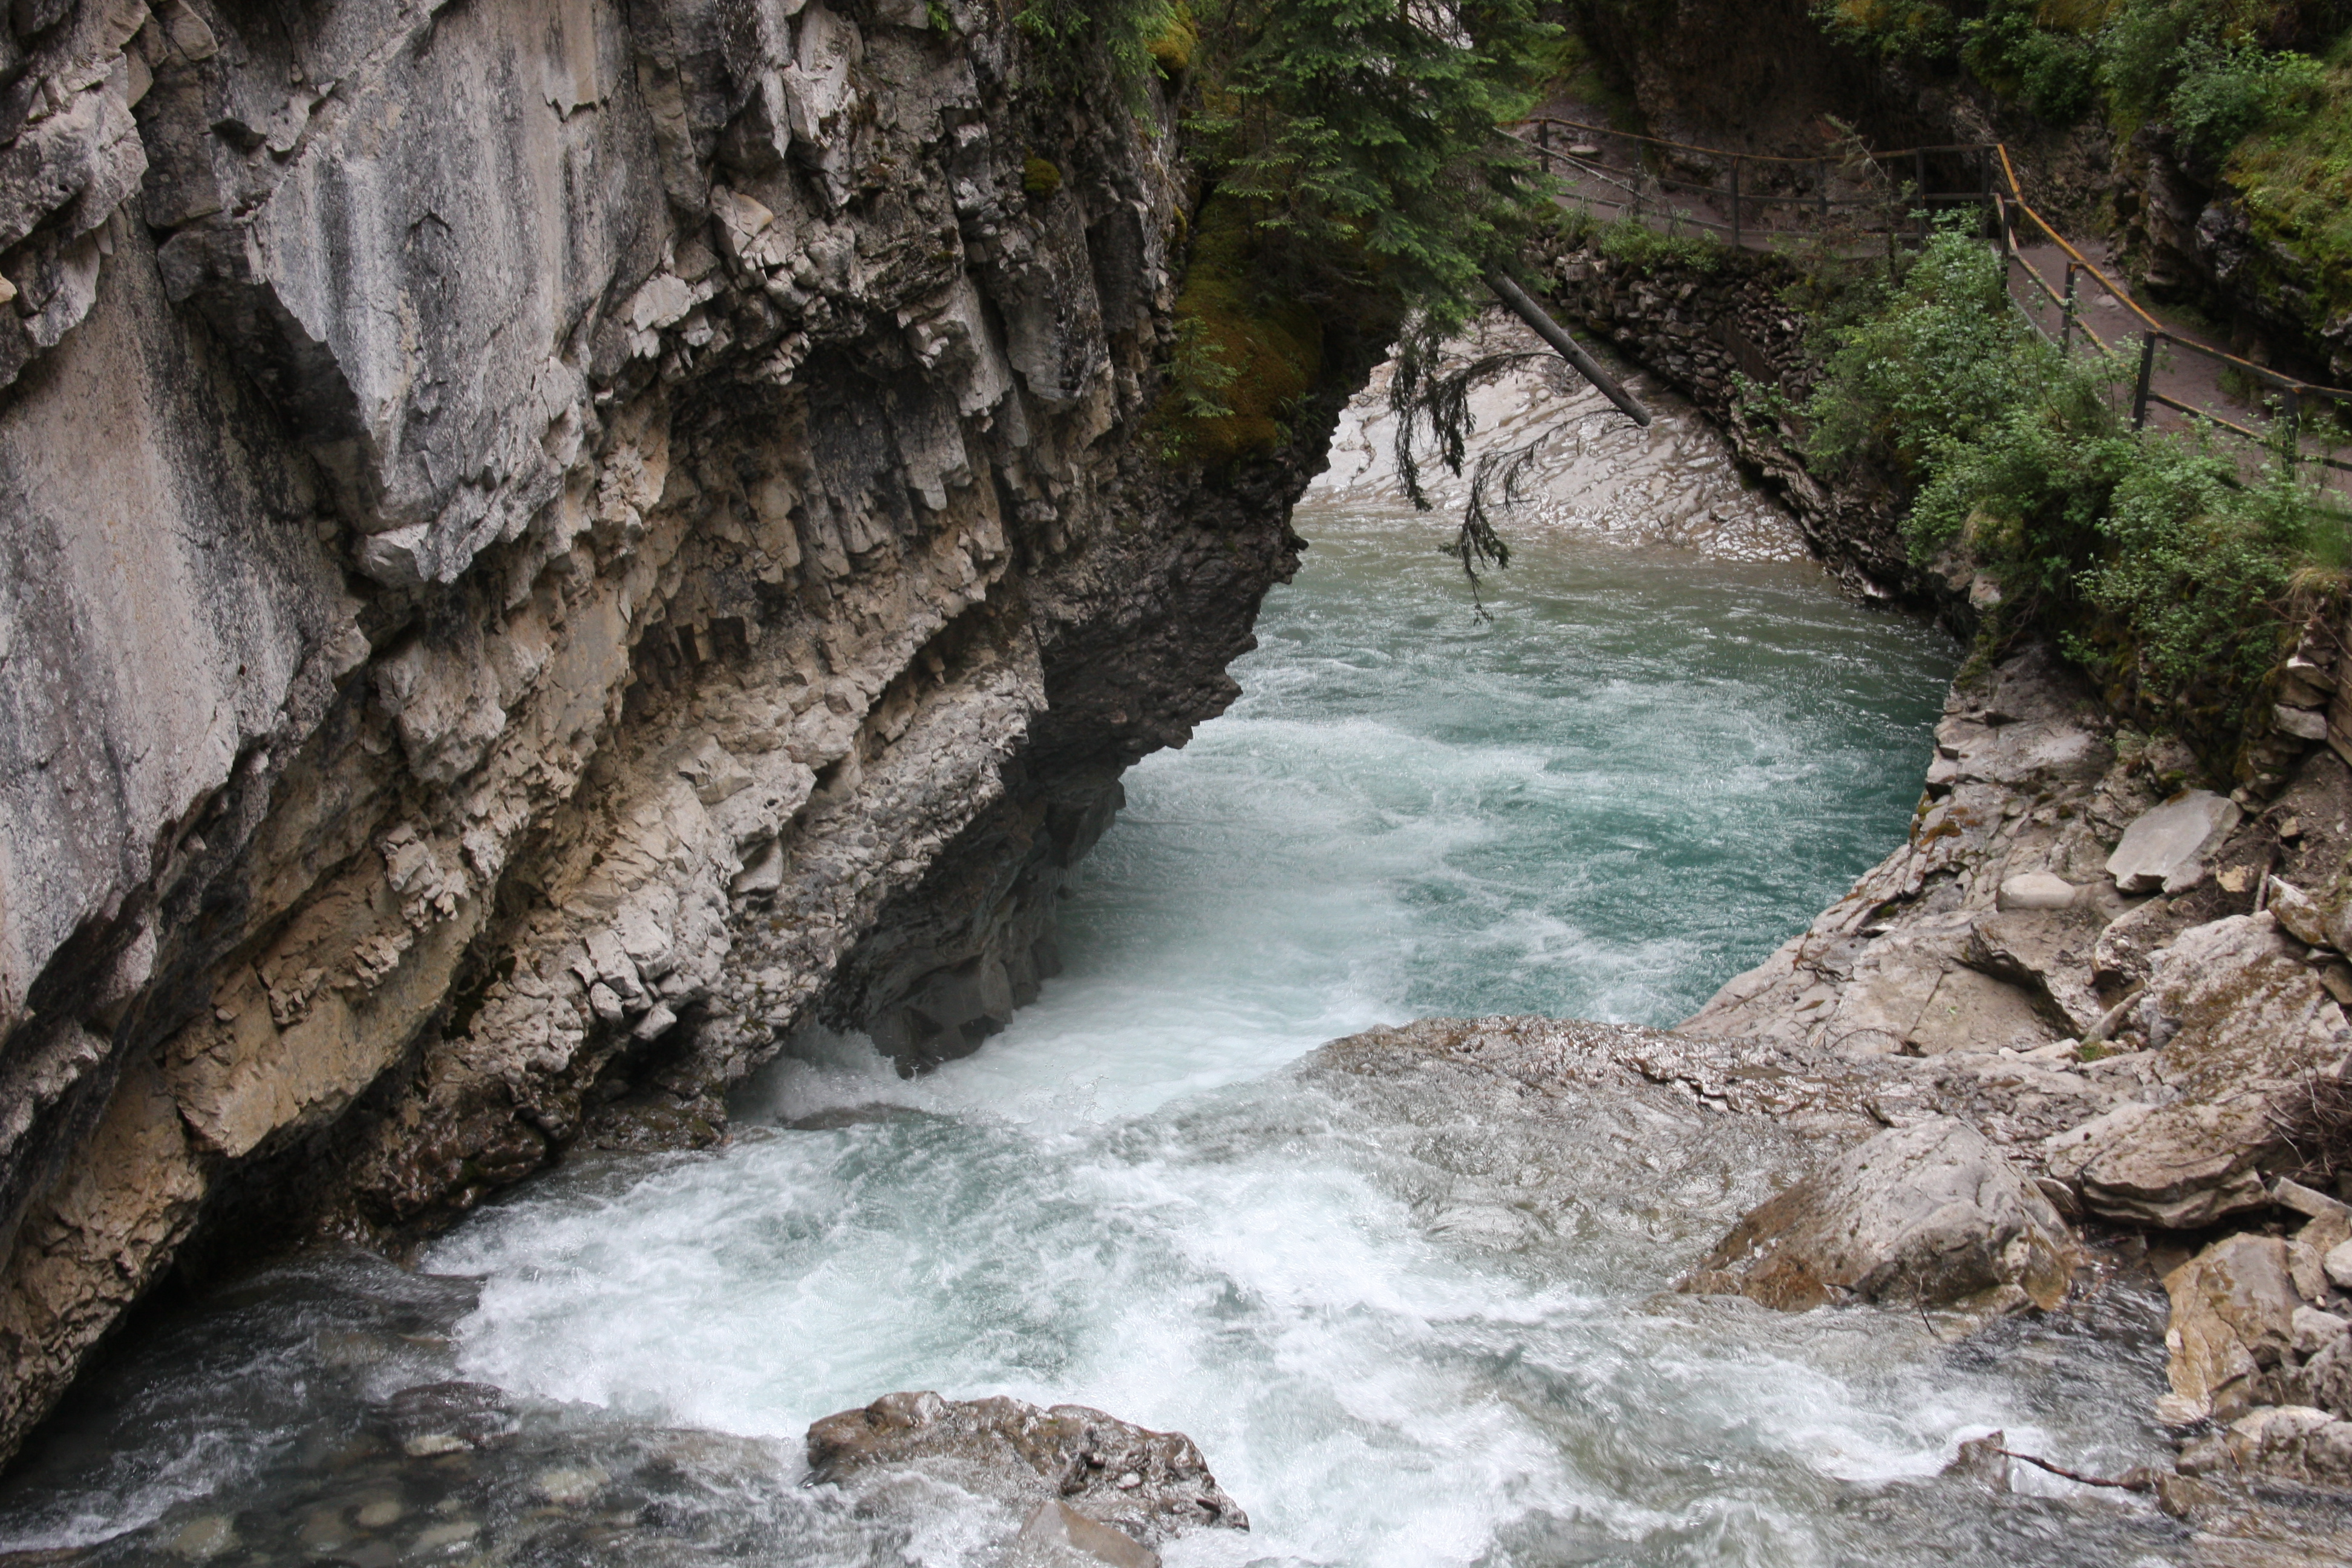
(1245, 357)
(2297, 185)
(1177, 43)
(1040, 176)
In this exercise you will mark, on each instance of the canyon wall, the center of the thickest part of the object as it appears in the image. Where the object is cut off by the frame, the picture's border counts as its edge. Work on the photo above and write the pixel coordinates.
(547, 544)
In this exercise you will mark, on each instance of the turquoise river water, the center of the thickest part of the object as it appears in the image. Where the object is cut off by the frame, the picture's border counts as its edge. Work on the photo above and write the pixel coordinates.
(1400, 1337)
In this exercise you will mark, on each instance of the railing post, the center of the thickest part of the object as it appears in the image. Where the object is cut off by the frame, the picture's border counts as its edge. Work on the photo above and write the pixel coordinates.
(2066, 331)
(1822, 182)
(2146, 369)
(1734, 202)
(2291, 429)
(1919, 189)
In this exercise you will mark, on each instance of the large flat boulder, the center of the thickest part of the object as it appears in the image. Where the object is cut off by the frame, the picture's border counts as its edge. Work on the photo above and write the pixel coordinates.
(2164, 849)
(2244, 1027)
(1148, 1486)
(1930, 1213)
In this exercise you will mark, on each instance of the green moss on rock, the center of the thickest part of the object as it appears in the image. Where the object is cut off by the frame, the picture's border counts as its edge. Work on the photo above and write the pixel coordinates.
(1245, 357)
(1041, 177)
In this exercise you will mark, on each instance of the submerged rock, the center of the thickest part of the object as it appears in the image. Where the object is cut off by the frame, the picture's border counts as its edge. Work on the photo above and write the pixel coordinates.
(1150, 1486)
(1930, 1213)
(1053, 1525)
(446, 1417)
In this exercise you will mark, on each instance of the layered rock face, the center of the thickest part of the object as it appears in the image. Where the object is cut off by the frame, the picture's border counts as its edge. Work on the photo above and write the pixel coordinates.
(546, 545)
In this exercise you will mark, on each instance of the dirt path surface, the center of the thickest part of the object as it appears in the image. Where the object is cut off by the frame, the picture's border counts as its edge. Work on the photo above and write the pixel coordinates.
(1612, 175)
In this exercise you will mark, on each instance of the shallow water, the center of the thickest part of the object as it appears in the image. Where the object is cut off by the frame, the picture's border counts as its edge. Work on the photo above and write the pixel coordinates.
(1407, 1326)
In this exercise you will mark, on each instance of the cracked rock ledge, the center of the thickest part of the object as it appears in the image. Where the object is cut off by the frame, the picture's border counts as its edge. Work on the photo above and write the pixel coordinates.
(547, 545)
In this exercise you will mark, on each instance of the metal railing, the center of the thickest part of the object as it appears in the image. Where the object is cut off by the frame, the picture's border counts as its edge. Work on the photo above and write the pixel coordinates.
(2292, 393)
(1586, 142)
(1909, 209)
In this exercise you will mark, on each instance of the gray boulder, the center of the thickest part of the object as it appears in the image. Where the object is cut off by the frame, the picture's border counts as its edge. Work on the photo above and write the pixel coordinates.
(2244, 1027)
(1148, 1486)
(2164, 849)
(1930, 1213)
(2295, 1441)
(2036, 890)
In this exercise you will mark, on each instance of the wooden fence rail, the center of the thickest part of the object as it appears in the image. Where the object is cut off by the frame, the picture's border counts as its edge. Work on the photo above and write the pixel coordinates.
(1910, 207)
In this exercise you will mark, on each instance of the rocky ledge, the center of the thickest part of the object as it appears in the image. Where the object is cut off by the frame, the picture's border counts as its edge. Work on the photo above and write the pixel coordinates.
(547, 545)
(2088, 1016)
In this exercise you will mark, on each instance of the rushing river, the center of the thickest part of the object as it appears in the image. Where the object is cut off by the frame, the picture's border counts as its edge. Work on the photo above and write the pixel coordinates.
(1402, 1333)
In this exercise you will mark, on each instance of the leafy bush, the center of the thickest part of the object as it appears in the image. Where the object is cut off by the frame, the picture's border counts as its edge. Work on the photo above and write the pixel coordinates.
(2157, 565)
(2227, 93)
(2052, 69)
(1932, 359)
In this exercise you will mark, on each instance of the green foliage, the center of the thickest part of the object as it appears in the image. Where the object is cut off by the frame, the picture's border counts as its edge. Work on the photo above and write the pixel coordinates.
(1367, 128)
(1246, 350)
(2227, 91)
(1125, 30)
(1633, 242)
(2014, 48)
(2195, 566)
(2208, 67)
(1352, 153)
(2296, 183)
(2160, 567)
(2149, 45)
(1932, 360)
(1911, 30)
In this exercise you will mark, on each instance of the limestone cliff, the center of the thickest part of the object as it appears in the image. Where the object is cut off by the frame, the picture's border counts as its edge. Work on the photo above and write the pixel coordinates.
(546, 543)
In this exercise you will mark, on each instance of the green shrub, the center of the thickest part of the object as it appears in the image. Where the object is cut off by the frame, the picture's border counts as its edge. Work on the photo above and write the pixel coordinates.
(1631, 243)
(2149, 557)
(2020, 49)
(1932, 359)
(2227, 93)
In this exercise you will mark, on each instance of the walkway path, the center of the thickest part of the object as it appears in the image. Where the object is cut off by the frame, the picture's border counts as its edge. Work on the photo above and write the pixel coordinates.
(1764, 203)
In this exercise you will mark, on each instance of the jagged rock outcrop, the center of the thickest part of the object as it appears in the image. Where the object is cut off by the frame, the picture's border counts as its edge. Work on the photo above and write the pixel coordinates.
(1927, 1213)
(547, 543)
(1151, 1487)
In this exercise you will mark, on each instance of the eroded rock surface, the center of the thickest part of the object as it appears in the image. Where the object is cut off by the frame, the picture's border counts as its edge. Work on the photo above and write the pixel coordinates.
(1929, 1213)
(547, 543)
(2241, 1025)
(1150, 1486)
